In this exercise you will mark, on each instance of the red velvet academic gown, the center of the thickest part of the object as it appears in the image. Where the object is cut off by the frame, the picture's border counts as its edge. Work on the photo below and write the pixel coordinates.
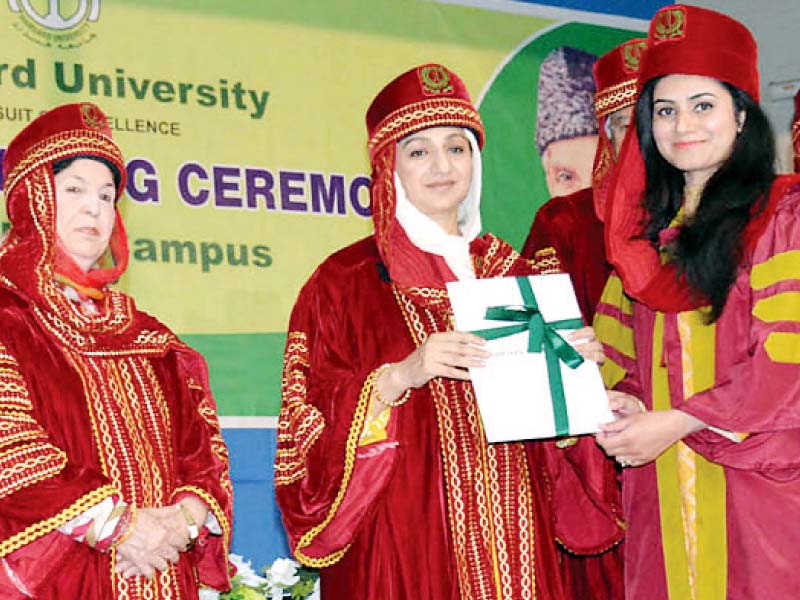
(569, 225)
(433, 511)
(83, 417)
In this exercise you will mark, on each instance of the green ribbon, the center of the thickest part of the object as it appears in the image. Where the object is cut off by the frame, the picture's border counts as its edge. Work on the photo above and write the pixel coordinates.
(542, 336)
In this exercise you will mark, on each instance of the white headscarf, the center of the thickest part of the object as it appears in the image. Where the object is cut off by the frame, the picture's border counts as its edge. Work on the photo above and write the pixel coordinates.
(426, 234)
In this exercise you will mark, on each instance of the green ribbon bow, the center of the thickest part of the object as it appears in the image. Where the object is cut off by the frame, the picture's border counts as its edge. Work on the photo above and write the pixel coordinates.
(542, 336)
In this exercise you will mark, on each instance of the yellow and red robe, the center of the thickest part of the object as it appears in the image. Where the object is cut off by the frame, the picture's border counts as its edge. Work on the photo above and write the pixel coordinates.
(711, 517)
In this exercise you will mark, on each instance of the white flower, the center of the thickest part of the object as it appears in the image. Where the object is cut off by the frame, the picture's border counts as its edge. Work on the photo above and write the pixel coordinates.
(244, 569)
(208, 594)
(315, 592)
(283, 572)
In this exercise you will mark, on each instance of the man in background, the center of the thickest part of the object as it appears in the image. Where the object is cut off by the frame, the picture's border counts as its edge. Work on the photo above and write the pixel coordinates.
(571, 224)
(566, 128)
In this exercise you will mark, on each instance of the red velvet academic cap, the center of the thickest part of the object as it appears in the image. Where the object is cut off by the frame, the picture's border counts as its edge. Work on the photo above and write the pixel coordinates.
(615, 76)
(429, 95)
(65, 131)
(697, 41)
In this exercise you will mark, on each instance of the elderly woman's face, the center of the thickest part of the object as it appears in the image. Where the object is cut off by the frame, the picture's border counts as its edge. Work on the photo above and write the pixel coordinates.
(435, 168)
(695, 124)
(85, 213)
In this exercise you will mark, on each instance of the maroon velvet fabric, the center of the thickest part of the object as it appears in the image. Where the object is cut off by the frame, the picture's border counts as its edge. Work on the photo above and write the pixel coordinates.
(429, 95)
(570, 226)
(391, 522)
(433, 511)
(615, 74)
(92, 405)
(699, 41)
(424, 82)
(615, 69)
(60, 408)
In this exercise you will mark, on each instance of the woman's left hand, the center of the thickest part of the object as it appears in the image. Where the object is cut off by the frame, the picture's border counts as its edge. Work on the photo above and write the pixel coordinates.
(589, 347)
(637, 439)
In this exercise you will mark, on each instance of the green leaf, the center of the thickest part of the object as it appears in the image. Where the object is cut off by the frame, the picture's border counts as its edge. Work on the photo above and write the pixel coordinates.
(242, 592)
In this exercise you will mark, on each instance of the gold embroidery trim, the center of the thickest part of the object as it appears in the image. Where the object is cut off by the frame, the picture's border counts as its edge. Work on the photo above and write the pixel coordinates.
(546, 260)
(299, 424)
(60, 145)
(26, 465)
(19, 427)
(615, 97)
(42, 528)
(349, 465)
(430, 113)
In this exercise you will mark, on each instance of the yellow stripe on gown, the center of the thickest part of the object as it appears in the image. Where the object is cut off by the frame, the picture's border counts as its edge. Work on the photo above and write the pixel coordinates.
(691, 489)
(687, 469)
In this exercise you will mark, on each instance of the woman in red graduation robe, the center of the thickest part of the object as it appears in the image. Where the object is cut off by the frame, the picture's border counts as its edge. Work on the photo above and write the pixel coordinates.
(705, 239)
(383, 473)
(113, 474)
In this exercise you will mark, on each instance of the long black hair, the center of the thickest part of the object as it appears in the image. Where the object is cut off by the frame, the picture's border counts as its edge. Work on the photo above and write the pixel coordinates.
(708, 249)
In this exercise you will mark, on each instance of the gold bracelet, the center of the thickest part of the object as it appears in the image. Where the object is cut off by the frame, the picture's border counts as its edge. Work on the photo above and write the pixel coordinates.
(130, 526)
(393, 403)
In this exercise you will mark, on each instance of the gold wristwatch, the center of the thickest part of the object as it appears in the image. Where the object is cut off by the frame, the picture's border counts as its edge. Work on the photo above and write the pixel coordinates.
(191, 526)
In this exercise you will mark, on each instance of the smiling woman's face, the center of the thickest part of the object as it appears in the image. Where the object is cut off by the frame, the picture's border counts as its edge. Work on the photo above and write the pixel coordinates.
(435, 168)
(85, 215)
(695, 124)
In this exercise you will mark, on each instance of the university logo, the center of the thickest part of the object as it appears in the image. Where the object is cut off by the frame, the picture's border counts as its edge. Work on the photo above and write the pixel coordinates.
(435, 80)
(56, 23)
(632, 55)
(669, 24)
(93, 117)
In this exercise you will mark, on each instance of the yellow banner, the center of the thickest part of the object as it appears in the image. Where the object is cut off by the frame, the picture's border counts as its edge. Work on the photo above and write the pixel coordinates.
(243, 127)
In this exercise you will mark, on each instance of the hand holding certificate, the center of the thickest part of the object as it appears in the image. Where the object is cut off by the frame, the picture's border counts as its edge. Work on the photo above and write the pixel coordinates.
(535, 385)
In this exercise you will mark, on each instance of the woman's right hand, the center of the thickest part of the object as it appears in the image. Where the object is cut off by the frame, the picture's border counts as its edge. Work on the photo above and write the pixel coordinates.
(446, 354)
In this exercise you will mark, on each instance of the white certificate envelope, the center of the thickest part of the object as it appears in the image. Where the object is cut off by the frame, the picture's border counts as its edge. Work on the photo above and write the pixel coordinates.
(512, 389)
